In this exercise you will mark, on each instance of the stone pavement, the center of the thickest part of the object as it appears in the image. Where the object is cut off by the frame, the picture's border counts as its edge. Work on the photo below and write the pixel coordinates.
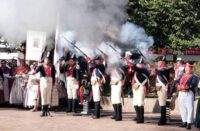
(12, 119)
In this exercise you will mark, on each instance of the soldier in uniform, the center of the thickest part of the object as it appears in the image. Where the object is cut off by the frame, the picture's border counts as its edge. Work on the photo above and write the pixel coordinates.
(117, 83)
(71, 72)
(162, 81)
(97, 80)
(140, 82)
(66, 55)
(186, 88)
(47, 80)
(128, 62)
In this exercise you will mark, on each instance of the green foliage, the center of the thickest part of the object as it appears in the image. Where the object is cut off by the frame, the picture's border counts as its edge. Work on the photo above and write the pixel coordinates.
(197, 72)
(173, 23)
(197, 68)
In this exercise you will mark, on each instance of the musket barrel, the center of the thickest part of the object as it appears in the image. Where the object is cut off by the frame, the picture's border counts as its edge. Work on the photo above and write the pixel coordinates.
(73, 43)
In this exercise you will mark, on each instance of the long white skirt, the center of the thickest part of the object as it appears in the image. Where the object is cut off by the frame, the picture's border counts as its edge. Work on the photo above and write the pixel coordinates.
(32, 89)
(55, 97)
(31, 95)
(17, 91)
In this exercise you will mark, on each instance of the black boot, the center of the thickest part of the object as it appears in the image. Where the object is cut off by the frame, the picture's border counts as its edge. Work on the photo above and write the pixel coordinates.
(189, 126)
(47, 111)
(115, 111)
(96, 110)
(137, 113)
(162, 120)
(69, 104)
(43, 111)
(119, 113)
(140, 114)
(74, 105)
(184, 124)
(164, 115)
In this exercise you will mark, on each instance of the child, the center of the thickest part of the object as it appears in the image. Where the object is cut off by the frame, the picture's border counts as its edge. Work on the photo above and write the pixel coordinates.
(85, 94)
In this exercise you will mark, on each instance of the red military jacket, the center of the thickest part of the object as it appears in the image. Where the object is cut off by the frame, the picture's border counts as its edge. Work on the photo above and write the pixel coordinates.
(184, 82)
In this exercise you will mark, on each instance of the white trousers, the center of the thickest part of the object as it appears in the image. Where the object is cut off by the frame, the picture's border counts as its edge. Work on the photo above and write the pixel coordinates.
(186, 106)
(96, 92)
(162, 95)
(138, 96)
(46, 85)
(72, 88)
(116, 91)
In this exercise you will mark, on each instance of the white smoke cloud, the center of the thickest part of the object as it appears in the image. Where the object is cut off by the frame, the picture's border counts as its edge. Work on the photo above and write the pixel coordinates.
(88, 18)
(136, 36)
(114, 56)
(85, 21)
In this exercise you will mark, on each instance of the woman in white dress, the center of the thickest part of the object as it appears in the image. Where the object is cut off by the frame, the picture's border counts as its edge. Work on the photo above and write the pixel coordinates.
(32, 89)
(17, 96)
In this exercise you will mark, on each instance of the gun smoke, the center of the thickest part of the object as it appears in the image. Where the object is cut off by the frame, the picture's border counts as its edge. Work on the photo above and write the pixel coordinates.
(86, 22)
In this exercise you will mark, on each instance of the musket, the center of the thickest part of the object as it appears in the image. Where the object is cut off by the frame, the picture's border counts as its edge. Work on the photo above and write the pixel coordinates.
(73, 44)
(122, 94)
(101, 93)
(144, 56)
(101, 51)
(113, 48)
(125, 58)
(116, 51)
(141, 52)
(104, 54)
(122, 97)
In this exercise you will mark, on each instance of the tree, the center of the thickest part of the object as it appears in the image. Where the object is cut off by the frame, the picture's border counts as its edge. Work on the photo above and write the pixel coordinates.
(174, 24)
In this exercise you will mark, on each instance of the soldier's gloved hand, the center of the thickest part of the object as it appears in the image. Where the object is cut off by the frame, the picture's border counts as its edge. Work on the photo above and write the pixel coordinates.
(158, 88)
(62, 62)
(136, 86)
(77, 67)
